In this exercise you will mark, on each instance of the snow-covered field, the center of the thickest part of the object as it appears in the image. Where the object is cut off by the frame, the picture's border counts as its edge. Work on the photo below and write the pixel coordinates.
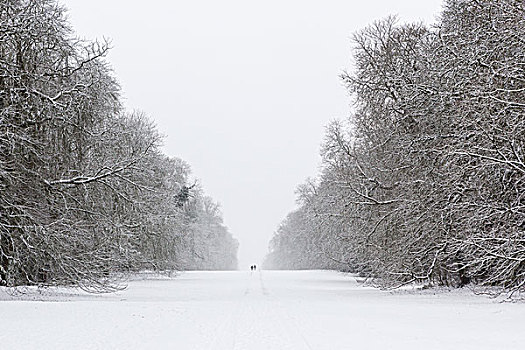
(259, 310)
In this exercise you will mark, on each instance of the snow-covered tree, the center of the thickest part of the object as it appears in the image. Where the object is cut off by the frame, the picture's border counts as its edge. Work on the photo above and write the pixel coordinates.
(425, 182)
(85, 192)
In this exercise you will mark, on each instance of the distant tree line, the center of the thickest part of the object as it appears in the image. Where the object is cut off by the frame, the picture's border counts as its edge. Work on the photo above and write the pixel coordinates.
(425, 182)
(85, 192)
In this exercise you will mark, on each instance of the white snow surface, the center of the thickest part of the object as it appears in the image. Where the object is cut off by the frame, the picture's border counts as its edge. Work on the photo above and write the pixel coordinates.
(258, 310)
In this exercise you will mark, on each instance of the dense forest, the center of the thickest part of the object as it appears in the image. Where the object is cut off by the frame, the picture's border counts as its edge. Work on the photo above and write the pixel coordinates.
(86, 194)
(425, 181)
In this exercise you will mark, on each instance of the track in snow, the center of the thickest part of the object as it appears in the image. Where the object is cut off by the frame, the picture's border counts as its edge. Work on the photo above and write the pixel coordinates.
(261, 310)
(259, 321)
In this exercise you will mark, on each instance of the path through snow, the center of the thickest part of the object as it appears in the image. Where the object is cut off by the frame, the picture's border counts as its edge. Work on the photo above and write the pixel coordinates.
(258, 310)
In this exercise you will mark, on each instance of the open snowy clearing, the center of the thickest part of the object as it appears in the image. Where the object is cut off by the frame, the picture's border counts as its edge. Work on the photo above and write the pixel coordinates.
(259, 310)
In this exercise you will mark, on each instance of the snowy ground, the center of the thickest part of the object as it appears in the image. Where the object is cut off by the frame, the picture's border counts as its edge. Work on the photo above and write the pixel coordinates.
(261, 310)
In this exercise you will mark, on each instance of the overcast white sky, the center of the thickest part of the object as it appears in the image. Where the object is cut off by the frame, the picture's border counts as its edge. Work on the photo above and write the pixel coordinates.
(242, 89)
